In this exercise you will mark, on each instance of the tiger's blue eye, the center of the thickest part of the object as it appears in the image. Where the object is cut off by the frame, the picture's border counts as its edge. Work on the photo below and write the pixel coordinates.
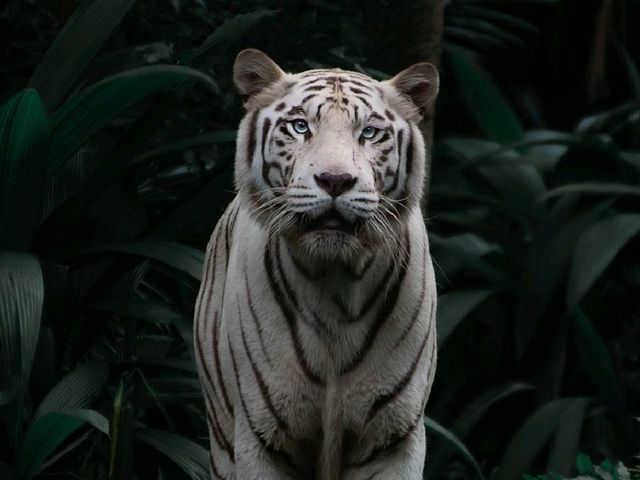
(300, 126)
(369, 132)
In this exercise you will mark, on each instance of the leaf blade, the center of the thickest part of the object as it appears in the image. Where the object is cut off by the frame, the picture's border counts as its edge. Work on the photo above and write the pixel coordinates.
(485, 100)
(42, 439)
(188, 455)
(567, 439)
(529, 440)
(590, 259)
(596, 363)
(21, 298)
(454, 443)
(454, 307)
(466, 421)
(592, 189)
(181, 257)
(90, 25)
(88, 111)
(24, 144)
(76, 390)
(222, 37)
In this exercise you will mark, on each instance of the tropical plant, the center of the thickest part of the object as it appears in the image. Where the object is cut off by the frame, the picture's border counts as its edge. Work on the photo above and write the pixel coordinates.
(116, 160)
(531, 233)
(607, 470)
(96, 301)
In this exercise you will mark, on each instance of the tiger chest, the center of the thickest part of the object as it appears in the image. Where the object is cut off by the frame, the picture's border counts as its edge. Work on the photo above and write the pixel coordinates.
(298, 400)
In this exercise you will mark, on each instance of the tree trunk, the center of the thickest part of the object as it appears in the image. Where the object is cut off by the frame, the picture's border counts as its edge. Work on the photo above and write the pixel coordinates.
(409, 32)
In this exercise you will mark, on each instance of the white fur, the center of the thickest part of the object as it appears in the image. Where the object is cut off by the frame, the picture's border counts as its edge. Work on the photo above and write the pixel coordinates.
(319, 417)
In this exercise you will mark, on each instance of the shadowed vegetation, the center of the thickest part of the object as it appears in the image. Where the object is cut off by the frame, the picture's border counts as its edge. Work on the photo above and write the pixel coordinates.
(117, 131)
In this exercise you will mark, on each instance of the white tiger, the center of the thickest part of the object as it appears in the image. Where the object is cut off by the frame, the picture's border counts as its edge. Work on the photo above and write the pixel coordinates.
(315, 322)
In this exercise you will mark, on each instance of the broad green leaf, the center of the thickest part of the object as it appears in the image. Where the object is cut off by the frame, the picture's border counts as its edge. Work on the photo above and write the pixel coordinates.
(181, 257)
(475, 410)
(545, 157)
(69, 178)
(472, 148)
(546, 267)
(595, 250)
(90, 25)
(454, 307)
(223, 136)
(584, 464)
(465, 244)
(468, 419)
(609, 120)
(24, 144)
(42, 439)
(567, 438)
(225, 35)
(483, 97)
(593, 189)
(465, 252)
(21, 297)
(66, 449)
(454, 443)
(85, 113)
(481, 150)
(188, 455)
(518, 185)
(490, 201)
(92, 417)
(596, 364)
(76, 390)
(542, 149)
(548, 137)
(530, 439)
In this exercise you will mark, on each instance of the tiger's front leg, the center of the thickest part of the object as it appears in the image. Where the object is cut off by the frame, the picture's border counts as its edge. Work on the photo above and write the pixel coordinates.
(406, 462)
(253, 462)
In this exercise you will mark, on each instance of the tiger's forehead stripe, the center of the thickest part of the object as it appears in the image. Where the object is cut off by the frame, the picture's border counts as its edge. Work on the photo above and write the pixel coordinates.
(347, 91)
(332, 71)
(297, 110)
(332, 76)
(314, 88)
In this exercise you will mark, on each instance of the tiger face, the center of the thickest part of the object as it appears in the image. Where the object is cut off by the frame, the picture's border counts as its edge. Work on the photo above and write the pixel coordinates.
(331, 159)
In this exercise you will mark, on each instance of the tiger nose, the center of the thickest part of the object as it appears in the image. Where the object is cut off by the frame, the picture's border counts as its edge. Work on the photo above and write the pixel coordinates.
(335, 185)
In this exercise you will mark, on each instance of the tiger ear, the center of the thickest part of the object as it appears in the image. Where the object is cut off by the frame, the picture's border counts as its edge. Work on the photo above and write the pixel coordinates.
(420, 83)
(253, 71)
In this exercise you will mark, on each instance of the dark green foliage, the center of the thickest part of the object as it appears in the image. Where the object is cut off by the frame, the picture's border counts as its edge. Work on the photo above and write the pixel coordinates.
(607, 470)
(116, 154)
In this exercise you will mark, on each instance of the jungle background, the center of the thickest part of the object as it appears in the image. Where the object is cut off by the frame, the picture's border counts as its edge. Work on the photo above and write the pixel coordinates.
(117, 128)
